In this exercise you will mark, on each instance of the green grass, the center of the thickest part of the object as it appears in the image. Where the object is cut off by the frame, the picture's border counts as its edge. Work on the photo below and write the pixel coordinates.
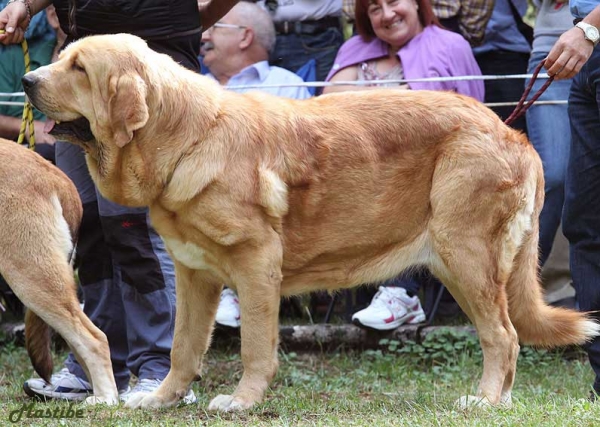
(347, 388)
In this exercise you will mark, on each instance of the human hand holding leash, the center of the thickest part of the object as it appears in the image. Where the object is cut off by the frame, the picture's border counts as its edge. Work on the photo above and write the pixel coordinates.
(41, 137)
(569, 54)
(573, 49)
(15, 18)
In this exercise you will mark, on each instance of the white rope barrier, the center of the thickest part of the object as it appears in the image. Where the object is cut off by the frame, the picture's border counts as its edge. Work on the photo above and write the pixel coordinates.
(12, 95)
(394, 81)
(18, 104)
(513, 104)
(488, 104)
(368, 83)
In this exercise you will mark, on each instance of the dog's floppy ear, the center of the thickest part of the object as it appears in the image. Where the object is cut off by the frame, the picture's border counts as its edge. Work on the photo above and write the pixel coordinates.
(127, 108)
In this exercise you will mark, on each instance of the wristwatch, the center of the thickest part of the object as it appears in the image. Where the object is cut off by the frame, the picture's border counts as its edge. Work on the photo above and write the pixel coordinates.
(590, 32)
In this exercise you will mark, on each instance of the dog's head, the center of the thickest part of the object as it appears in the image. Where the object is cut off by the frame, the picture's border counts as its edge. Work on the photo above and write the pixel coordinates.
(95, 91)
(97, 95)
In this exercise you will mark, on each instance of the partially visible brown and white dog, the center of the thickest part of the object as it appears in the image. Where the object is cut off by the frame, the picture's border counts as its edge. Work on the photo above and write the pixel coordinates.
(40, 214)
(277, 197)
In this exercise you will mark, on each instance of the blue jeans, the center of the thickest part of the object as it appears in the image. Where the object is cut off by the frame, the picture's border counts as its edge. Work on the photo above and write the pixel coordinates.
(498, 62)
(549, 131)
(581, 216)
(412, 282)
(127, 278)
(292, 51)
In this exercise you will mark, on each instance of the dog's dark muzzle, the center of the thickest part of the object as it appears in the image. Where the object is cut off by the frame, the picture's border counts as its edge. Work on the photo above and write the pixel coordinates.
(29, 82)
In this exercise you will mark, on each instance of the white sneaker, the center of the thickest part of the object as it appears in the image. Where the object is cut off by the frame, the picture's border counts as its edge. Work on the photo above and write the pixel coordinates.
(149, 385)
(63, 385)
(390, 308)
(228, 313)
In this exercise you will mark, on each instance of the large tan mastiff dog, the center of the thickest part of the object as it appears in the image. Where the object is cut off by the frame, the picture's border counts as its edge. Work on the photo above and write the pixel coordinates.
(276, 197)
(40, 214)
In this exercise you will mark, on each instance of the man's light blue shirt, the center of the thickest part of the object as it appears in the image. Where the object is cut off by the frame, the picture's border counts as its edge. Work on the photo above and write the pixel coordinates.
(581, 8)
(261, 73)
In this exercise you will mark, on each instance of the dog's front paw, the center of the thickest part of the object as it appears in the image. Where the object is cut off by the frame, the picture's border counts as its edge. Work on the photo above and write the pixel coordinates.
(97, 400)
(148, 401)
(506, 400)
(466, 402)
(228, 403)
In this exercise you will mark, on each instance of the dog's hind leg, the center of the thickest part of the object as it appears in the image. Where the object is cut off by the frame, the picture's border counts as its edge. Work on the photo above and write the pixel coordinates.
(198, 295)
(473, 252)
(90, 346)
(469, 276)
(47, 288)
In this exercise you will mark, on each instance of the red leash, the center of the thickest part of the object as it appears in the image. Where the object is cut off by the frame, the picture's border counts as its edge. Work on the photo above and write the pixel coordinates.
(521, 106)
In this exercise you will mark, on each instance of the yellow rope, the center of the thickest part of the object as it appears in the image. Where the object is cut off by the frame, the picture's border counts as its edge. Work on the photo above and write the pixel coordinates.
(27, 109)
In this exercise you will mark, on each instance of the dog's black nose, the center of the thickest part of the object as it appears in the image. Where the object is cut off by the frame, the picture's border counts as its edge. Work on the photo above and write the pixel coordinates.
(28, 81)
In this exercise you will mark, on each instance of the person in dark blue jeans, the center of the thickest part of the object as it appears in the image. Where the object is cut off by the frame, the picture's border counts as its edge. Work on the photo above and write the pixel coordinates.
(577, 54)
(293, 50)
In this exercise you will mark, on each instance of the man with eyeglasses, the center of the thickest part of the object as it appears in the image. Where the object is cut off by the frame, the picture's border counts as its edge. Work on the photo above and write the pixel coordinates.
(236, 52)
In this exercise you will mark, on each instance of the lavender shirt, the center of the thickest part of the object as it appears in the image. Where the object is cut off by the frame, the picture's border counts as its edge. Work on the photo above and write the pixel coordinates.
(432, 53)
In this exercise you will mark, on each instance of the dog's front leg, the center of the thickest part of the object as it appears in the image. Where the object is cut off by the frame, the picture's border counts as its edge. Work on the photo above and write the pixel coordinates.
(258, 282)
(198, 295)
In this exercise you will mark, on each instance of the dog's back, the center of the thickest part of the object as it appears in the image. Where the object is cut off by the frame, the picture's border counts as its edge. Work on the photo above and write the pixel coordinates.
(35, 180)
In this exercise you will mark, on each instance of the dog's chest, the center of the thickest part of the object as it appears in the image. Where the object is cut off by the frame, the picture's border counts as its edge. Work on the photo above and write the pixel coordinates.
(187, 253)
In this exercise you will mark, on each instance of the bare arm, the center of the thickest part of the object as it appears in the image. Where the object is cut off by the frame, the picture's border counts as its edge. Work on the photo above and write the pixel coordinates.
(348, 74)
(213, 10)
(39, 5)
(13, 18)
(572, 50)
(10, 127)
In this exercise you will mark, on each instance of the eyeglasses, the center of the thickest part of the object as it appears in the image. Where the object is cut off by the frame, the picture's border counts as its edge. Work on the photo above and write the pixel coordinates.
(223, 25)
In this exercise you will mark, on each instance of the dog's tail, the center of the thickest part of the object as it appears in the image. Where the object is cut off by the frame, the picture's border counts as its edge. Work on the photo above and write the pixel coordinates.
(536, 322)
(72, 211)
(37, 343)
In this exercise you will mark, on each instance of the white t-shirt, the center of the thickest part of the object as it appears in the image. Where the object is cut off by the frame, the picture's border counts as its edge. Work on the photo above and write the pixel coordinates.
(303, 10)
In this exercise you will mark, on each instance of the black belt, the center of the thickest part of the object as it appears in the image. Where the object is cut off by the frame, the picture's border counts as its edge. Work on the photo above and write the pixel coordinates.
(307, 27)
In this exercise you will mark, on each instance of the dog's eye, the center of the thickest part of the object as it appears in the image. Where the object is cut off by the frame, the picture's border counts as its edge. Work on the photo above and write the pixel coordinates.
(78, 67)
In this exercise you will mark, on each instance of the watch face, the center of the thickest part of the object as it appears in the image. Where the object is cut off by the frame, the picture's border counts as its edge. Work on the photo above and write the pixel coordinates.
(592, 33)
